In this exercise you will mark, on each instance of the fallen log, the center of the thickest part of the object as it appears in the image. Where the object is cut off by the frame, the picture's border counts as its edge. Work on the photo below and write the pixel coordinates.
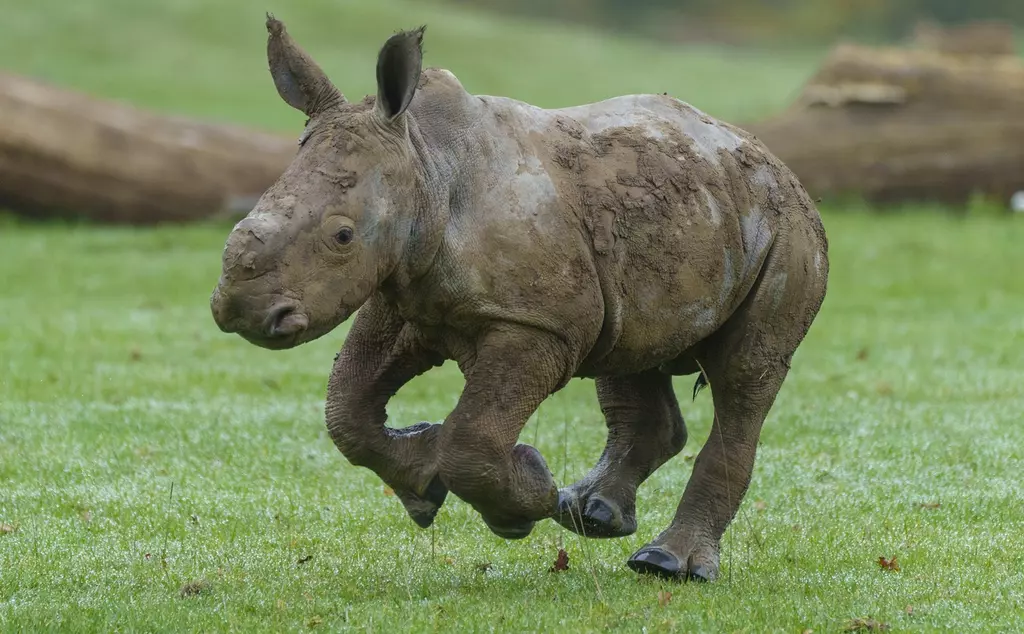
(891, 125)
(881, 124)
(983, 37)
(67, 154)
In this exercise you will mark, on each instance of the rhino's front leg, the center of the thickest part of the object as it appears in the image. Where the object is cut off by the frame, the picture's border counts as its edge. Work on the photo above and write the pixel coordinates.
(380, 355)
(509, 484)
(645, 429)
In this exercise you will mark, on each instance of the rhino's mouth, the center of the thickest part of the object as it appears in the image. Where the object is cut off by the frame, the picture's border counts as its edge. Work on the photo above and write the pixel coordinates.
(279, 342)
(284, 329)
(283, 326)
(285, 320)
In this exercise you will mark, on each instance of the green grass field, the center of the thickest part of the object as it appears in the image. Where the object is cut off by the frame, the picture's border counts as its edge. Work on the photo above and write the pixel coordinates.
(158, 475)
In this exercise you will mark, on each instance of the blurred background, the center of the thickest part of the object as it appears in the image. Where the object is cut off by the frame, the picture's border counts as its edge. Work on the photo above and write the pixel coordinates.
(924, 107)
(785, 22)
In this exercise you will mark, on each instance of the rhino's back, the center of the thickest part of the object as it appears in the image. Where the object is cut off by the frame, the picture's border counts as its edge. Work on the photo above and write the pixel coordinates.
(681, 208)
(657, 117)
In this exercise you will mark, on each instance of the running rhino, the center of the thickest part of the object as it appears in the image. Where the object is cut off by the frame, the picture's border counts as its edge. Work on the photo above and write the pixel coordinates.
(627, 241)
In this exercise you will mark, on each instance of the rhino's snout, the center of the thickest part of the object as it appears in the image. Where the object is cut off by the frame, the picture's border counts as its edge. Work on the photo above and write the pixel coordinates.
(219, 308)
(278, 325)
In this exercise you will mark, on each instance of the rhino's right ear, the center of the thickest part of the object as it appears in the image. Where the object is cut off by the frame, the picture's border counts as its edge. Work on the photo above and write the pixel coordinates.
(299, 81)
(398, 72)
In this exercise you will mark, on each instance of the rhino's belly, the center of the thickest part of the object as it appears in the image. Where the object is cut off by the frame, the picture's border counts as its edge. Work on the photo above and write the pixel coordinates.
(672, 279)
(667, 304)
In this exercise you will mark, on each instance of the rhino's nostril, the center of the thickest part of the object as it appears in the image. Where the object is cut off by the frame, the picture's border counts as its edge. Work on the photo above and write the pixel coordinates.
(285, 320)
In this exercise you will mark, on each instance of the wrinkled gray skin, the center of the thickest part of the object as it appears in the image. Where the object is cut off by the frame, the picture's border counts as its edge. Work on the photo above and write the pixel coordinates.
(627, 240)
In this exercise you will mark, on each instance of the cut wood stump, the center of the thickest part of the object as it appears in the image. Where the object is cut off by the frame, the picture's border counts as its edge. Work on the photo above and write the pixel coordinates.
(67, 154)
(893, 125)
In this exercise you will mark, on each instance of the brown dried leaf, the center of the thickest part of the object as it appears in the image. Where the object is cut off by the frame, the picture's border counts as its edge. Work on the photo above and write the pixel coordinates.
(7, 529)
(664, 596)
(865, 625)
(195, 588)
(883, 389)
(86, 516)
(135, 354)
(909, 610)
(561, 562)
(388, 491)
(314, 621)
(929, 505)
(889, 564)
(862, 354)
(807, 631)
(760, 505)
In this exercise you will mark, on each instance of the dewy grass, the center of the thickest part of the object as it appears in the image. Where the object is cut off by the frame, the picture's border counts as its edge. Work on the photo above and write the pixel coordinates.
(898, 434)
(158, 475)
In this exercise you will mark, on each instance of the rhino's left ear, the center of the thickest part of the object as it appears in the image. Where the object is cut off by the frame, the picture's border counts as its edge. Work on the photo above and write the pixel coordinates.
(299, 80)
(398, 72)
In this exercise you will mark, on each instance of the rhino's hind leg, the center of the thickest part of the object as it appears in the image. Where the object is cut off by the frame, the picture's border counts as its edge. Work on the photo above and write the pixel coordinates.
(689, 547)
(746, 363)
(645, 429)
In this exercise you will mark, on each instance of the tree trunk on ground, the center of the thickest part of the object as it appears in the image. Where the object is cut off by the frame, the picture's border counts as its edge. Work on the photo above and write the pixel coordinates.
(893, 125)
(66, 154)
(886, 125)
(982, 37)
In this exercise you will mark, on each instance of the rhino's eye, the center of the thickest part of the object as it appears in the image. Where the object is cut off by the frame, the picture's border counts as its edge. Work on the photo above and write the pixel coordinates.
(344, 236)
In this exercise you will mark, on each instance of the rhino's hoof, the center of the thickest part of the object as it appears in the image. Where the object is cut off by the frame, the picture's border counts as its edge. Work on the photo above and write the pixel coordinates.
(512, 531)
(424, 509)
(600, 517)
(702, 573)
(658, 562)
(651, 560)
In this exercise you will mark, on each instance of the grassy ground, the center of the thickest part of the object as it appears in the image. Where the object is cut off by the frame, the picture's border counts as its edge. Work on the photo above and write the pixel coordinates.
(209, 59)
(158, 475)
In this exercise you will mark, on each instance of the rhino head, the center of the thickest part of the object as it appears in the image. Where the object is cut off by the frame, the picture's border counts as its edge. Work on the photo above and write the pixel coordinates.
(320, 240)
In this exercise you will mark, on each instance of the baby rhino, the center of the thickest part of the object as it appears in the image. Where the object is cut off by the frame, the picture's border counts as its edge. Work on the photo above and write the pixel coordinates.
(628, 241)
